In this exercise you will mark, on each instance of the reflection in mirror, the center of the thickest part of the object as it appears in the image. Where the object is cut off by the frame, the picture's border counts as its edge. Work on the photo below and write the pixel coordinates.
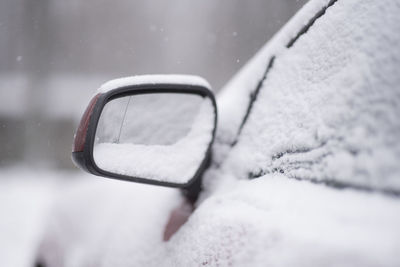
(159, 136)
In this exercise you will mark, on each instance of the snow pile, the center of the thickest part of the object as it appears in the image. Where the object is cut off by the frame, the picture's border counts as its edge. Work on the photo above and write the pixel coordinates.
(274, 221)
(177, 162)
(328, 109)
(97, 222)
(154, 79)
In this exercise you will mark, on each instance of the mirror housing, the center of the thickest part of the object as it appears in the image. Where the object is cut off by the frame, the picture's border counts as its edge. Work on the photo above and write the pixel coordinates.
(84, 141)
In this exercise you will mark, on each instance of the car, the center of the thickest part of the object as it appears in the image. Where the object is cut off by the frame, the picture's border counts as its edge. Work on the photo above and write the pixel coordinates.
(297, 167)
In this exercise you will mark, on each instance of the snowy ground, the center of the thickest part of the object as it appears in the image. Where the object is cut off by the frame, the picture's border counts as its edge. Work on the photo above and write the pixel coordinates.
(26, 197)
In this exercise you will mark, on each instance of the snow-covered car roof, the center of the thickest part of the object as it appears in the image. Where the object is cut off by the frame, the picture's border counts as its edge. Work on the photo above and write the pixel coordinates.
(323, 116)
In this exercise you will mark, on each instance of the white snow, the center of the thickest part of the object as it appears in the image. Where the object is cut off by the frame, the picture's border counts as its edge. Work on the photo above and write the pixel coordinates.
(274, 221)
(233, 99)
(153, 79)
(91, 218)
(270, 221)
(176, 162)
(328, 110)
(26, 198)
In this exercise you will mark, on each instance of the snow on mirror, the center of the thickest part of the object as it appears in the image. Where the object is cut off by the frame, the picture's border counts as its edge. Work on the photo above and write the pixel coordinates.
(159, 136)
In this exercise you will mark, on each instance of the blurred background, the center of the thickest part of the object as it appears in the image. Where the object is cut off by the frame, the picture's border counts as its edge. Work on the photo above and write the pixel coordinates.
(54, 54)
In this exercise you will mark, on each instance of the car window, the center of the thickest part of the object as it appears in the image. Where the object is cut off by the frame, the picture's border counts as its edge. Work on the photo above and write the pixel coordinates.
(326, 111)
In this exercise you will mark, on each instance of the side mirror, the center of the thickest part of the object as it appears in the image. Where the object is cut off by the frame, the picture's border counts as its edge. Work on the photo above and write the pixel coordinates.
(149, 129)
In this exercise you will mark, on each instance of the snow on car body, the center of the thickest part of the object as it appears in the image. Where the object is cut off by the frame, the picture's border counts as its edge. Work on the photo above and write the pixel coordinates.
(312, 121)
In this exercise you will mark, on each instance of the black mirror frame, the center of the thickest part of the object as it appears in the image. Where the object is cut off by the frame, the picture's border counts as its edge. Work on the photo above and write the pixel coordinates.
(84, 159)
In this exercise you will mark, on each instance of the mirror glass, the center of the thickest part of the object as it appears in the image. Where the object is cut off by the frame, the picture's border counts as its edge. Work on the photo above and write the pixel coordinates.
(157, 136)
